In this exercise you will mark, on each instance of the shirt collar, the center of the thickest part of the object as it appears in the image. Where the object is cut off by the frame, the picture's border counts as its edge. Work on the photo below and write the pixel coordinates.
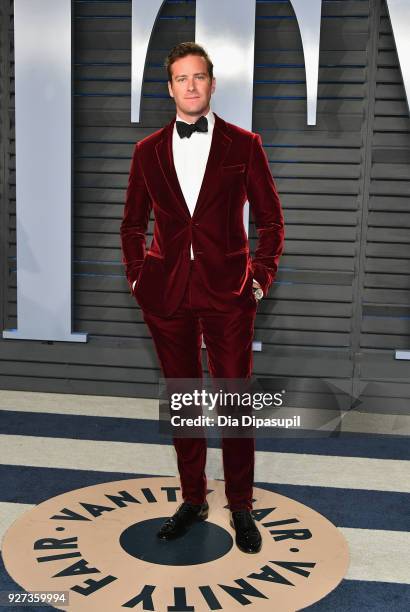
(210, 116)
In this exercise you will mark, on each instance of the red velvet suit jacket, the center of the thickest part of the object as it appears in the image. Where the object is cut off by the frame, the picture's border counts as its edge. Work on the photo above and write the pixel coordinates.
(237, 170)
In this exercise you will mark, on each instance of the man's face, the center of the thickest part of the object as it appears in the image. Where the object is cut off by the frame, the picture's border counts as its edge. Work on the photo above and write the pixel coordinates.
(191, 86)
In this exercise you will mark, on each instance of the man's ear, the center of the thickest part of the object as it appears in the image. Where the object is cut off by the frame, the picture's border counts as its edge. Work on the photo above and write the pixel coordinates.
(213, 86)
(170, 89)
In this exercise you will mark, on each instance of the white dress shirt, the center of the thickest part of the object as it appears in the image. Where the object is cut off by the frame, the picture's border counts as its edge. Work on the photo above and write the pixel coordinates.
(190, 159)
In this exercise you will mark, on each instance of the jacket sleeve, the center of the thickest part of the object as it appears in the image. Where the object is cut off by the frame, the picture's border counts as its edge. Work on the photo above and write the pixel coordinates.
(135, 220)
(267, 213)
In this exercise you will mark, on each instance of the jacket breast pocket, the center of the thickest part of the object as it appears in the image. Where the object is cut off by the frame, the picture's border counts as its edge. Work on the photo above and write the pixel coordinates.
(236, 168)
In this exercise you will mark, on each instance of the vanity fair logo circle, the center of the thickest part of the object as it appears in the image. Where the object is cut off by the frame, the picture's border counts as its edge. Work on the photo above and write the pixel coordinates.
(99, 544)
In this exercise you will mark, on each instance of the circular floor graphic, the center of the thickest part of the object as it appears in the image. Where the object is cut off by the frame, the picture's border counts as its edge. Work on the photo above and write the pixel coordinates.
(98, 546)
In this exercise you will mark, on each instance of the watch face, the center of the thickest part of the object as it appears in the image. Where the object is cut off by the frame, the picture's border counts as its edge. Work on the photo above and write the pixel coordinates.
(258, 293)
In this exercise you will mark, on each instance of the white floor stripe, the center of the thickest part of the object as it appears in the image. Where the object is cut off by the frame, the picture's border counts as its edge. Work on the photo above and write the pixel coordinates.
(283, 468)
(9, 513)
(84, 405)
(382, 556)
(142, 408)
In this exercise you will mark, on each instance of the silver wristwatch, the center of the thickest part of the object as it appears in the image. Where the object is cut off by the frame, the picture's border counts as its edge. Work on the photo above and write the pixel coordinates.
(258, 293)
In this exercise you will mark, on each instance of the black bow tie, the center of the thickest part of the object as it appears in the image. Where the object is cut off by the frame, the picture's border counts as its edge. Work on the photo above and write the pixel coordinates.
(185, 130)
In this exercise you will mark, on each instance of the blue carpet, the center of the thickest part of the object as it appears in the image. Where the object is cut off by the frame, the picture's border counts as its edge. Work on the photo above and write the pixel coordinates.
(146, 431)
(358, 508)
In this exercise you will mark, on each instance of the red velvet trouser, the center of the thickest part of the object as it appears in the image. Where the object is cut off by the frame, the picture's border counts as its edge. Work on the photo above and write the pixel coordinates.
(228, 337)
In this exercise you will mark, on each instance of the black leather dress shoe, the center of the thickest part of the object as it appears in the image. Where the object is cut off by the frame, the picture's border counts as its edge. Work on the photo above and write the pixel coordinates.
(248, 539)
(178, 524)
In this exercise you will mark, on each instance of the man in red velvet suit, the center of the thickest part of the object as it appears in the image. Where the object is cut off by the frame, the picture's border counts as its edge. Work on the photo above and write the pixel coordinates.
(198, 278)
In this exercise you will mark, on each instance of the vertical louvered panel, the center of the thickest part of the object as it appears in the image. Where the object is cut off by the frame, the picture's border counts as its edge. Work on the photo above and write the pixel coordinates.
(385, 324)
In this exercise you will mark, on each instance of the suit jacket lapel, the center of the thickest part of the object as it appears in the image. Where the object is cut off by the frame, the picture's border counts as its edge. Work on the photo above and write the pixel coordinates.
(219, 148)
(166, 162)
